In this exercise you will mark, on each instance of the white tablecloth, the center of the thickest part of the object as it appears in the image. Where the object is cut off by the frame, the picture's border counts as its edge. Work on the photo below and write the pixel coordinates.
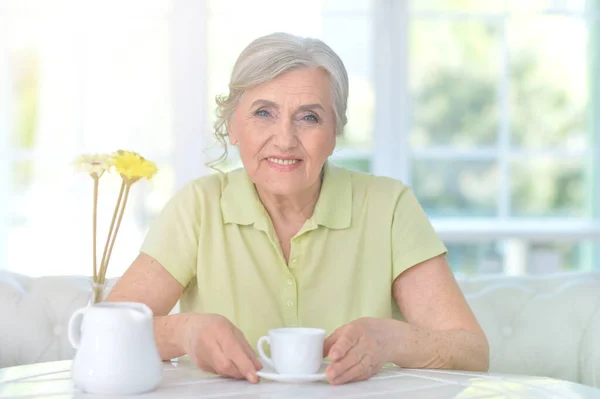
(180, 380)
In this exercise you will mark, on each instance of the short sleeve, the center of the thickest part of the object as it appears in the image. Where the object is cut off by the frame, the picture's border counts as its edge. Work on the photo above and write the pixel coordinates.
(413, 238)
(173, 237)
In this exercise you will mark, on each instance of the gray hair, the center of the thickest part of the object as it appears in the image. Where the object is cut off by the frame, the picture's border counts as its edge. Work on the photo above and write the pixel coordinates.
(270, 56)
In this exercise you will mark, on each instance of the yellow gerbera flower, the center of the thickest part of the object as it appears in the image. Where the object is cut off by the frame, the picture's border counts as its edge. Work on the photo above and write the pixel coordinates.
(132, 166)
(93, 164)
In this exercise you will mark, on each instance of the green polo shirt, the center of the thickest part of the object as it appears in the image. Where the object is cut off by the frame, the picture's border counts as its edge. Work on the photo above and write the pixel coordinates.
(215, 237)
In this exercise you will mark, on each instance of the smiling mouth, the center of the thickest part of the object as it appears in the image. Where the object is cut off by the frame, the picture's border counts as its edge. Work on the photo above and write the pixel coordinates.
(280, 161)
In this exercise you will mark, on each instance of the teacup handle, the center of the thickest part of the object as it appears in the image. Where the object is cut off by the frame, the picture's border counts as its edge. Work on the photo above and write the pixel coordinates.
(261, 350)
(74, 330)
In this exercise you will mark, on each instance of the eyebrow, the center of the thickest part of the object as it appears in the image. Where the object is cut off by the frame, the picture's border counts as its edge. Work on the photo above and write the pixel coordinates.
(310, 107)
(305, 107)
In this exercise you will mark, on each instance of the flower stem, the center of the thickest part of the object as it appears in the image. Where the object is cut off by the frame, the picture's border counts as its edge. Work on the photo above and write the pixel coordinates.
(104, 263)
(114, 237)
(97, 293)
(96, 183)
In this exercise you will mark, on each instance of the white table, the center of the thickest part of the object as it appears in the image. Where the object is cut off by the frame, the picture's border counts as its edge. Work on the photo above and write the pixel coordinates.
(180, 380)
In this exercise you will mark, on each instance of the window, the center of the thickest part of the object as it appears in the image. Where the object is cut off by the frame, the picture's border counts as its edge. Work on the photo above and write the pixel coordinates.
(500, 132)
(70, 85)
(489, 110)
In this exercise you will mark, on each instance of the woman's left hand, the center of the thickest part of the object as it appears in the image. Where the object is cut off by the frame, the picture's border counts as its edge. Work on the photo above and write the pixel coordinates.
(359, 349)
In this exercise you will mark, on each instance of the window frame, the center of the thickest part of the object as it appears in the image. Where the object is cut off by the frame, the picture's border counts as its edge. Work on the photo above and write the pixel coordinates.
(393, 156)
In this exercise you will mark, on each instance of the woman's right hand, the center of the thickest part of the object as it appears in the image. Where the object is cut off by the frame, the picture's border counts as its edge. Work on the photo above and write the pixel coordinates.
(215, 345)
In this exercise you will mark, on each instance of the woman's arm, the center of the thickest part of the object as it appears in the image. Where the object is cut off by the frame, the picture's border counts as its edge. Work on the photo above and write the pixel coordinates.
(212, 342)
(441, 330)
(148, 282)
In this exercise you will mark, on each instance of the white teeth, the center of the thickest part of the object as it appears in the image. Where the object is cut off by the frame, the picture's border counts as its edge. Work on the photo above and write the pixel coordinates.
(282, 161)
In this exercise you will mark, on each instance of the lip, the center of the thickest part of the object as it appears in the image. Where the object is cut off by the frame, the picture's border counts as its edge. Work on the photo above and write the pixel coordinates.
(283, 168)
(285, 157)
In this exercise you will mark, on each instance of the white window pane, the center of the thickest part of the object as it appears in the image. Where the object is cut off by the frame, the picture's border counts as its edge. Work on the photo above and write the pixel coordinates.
(45, 75)
(351, 38)
(553, 257)
(25, 74)
(456, 188)
(50, 224)
(458, 5)
(156, 193)
(548, 5)
(518, 257)
(21, 7)
(76, 87)
(357, 164)
(454, 74)
(89, 88)
(549, 82)
(547, 187)
(263, 10)
(285, 9)
(129, 8)
(346, 6)
(478, 258)
(128, 86)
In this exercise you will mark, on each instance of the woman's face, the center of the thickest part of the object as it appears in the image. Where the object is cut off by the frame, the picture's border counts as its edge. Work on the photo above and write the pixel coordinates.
(285, 130)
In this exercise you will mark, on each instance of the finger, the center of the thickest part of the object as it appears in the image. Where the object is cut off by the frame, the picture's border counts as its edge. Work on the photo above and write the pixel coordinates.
(249, 351)
(358, 372)
(199, 362)
(224, 366)
(201, 354)
(343, 345)
(332, 339)
(252, 356)
(341, 366)
(234, 351)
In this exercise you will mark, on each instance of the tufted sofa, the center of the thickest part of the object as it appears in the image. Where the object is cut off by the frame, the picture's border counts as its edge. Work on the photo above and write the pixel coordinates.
(537, 325)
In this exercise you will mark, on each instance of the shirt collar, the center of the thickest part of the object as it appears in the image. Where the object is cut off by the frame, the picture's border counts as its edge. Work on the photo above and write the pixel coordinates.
(240, 203)
(334, 207)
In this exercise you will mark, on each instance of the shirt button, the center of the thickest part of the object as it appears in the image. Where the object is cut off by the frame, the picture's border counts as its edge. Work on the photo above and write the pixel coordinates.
(290, 303)
(290, 282)
(294, 261)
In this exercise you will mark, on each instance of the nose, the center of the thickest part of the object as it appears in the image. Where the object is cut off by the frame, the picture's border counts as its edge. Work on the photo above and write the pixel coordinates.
(285, 137)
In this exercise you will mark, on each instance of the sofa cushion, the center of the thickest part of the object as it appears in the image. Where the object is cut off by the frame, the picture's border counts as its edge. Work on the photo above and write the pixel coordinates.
(35, 314)
(540, 325)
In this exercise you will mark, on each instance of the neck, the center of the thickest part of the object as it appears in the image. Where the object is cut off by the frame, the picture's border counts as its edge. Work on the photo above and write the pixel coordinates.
(291, 208)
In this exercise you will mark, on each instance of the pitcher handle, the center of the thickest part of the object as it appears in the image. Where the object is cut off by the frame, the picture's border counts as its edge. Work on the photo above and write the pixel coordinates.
(74, 330)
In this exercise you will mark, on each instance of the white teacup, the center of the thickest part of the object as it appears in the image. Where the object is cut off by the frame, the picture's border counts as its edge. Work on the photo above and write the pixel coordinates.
(294, 350)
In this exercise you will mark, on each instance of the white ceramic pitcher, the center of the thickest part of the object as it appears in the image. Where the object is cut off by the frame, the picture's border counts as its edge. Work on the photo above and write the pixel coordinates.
(116, 350)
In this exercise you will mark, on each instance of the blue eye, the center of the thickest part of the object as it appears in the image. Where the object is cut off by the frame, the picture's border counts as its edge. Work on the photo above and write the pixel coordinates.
(262, 113)
(310, 118)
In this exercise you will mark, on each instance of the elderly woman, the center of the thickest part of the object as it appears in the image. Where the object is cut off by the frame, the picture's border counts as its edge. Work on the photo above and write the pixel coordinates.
(292, 240)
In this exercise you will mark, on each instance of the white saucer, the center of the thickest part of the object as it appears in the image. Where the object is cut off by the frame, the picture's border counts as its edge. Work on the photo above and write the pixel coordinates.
(268, 373)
